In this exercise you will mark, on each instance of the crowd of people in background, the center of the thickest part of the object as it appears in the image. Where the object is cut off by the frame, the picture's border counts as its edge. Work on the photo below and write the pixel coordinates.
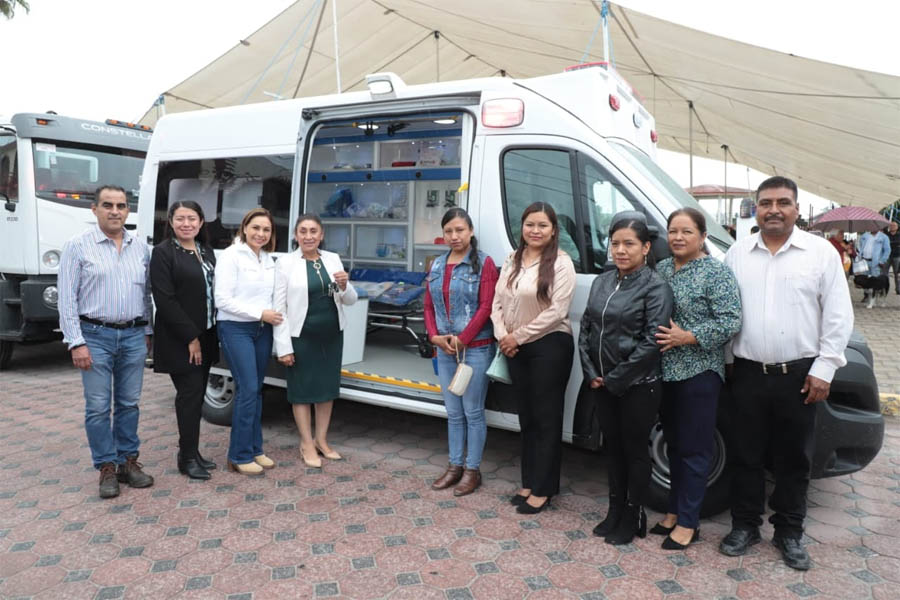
(655, 341)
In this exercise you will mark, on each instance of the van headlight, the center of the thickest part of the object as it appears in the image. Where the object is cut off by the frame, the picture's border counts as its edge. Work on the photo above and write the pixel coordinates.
(50, 296)
(50, 259)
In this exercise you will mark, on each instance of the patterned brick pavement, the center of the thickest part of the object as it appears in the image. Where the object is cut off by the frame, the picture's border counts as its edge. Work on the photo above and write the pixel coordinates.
(369, 526)
(881, 326)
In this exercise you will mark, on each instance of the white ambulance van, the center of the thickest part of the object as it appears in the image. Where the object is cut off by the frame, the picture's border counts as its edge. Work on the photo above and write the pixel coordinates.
(382, 166)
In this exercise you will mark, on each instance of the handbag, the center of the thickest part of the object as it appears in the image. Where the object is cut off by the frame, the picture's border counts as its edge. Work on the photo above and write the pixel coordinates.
(860, 266)
(462, 377)
(498, 370)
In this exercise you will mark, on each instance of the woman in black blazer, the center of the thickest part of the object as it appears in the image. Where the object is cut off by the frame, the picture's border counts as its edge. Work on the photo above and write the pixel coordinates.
(185, 342)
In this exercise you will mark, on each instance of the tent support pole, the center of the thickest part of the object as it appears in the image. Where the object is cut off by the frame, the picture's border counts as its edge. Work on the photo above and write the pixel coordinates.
(691, 140)
(337, 50)
(730, 199)
(437, 55)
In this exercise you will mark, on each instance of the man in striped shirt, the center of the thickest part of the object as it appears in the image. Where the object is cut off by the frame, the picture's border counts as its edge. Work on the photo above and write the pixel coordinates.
(104, 314)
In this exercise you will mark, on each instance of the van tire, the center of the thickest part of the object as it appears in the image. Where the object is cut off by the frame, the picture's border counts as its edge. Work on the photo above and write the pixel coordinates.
(717, 487)
(6, 350)
(218, 402)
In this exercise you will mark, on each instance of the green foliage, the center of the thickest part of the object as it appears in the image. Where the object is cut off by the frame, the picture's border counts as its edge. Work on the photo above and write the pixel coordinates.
(8, 7)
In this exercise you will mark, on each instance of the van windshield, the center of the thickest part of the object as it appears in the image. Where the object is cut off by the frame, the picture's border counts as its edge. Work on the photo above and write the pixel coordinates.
(69, 173)
(675, 194)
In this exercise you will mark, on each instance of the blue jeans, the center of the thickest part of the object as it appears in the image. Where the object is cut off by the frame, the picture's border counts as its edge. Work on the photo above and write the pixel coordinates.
(466, 427)
(688, 418)
(247, 347)
(114, 379)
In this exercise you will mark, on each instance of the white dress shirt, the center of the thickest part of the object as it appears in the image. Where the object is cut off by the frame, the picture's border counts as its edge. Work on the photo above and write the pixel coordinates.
(796, 303)
(244, 283)
(292, 296)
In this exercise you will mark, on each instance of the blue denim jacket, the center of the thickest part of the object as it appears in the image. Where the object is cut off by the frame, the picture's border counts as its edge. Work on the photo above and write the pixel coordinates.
(464, 287)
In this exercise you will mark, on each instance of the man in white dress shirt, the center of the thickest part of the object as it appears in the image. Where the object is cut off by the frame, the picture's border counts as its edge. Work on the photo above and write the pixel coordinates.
(797, 320)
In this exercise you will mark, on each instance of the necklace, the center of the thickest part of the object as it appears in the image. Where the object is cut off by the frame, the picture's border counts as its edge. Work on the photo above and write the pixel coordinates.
(318, 268)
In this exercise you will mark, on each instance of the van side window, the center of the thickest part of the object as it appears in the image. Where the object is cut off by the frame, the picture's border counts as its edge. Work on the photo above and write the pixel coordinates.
(226, 188)
(541, 175)
(602, 197)
(9, 178)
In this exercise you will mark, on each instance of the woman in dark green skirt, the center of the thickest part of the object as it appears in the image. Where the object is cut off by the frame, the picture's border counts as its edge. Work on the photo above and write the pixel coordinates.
(311, 289)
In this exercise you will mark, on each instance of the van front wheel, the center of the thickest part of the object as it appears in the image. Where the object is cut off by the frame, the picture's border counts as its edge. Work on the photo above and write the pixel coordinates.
(717, 484)
(219, 400)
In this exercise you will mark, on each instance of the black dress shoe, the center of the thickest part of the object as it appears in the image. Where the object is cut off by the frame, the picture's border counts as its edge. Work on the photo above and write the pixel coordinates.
(527, 509)
(737, 541)
(518, 500)
(671, 544)
(206, 464)
(660, 529)
(192, 468)
(607, 525)
(793, 553)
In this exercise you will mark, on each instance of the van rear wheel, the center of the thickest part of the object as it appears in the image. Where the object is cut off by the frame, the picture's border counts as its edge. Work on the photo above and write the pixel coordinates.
(218, 402)
(717, 484)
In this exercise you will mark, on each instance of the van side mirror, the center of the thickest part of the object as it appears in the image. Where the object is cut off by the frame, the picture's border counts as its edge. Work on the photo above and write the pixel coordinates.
(10, 206)
(654, 232)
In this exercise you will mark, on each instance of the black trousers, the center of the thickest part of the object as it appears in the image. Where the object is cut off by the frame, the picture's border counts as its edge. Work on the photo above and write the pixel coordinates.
(626, 422)
(540, 372)
(688, 416)
(768, 416)
(190, 388)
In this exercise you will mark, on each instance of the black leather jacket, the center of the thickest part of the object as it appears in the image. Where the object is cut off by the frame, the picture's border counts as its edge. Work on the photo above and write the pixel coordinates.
(617, 339)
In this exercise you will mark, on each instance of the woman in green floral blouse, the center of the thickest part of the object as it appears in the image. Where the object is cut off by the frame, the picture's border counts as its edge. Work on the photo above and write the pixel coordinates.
(707, 314)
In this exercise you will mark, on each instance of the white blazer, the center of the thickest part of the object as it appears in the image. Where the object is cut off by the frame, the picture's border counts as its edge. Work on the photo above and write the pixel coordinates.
(292, 296)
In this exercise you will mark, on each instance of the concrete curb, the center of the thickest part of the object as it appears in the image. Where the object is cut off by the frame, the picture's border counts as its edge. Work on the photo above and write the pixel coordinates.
(890, 405)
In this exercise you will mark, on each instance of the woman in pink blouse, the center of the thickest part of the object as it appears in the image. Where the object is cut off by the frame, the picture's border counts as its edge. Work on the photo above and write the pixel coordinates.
(531, 322)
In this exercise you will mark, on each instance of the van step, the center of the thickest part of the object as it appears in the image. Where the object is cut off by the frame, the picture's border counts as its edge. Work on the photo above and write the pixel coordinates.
(13, 301)
(407, 383)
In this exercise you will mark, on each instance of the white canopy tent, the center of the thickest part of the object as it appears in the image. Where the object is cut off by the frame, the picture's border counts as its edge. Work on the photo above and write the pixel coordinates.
(834, 129)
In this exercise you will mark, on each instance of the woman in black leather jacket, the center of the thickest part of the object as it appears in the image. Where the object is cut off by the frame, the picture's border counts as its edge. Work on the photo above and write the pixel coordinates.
(621, 363)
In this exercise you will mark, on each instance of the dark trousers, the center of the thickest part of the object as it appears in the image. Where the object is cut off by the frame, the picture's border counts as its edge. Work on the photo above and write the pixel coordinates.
(540, 372)
(768, 416)
(688, 416)
(190, 388)
(626, 422)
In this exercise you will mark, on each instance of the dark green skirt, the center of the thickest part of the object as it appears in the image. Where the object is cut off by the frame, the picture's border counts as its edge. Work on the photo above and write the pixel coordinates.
(316, 374)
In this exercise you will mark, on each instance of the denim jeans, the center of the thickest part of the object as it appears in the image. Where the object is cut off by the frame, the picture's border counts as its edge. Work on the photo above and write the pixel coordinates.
(466, 427)
(114, 380)
(247, 347)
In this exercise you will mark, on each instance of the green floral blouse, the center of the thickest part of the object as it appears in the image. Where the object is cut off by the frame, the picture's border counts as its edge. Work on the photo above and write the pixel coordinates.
(708, 304)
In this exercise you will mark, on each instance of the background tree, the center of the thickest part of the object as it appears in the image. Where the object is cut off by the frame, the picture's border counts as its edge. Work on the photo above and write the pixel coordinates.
(8, 7)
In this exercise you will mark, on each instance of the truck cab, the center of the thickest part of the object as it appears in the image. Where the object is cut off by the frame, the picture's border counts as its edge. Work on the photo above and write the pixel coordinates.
(50, 166)
(381, 167)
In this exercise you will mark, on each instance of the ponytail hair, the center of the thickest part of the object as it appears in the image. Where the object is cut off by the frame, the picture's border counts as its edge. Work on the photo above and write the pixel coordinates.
(460, 213)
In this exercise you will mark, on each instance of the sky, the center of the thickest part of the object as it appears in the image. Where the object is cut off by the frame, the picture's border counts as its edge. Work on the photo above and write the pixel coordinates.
(102, 59)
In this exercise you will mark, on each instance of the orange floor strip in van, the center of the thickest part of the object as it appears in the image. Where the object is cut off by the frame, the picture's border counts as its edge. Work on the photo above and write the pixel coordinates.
(408, 383)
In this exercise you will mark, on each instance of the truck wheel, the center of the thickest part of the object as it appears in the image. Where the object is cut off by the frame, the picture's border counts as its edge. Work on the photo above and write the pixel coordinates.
(219, 400)
(6, 350)
(717, 485)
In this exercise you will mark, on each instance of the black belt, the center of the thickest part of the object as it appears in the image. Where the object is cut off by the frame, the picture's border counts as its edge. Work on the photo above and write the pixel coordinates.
(782, 368)
(119, 325)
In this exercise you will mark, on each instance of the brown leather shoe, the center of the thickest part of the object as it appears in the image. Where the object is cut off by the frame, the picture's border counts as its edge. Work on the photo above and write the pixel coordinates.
(470, 481)
(450, 477)
(130, 472)
(109, 485)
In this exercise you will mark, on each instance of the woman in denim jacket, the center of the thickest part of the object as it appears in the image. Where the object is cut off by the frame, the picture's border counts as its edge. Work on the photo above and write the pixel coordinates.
(458, 299)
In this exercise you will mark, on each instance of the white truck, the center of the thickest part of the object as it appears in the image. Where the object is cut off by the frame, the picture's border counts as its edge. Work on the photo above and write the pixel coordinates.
(381, 166)
(49, 168)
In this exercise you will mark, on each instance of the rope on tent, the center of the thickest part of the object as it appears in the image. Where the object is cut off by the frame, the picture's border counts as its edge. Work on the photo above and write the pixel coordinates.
(277, 54)
(587, 51)
(297, 51)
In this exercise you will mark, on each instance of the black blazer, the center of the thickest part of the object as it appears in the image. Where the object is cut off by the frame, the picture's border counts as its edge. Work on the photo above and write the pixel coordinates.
(179, 292)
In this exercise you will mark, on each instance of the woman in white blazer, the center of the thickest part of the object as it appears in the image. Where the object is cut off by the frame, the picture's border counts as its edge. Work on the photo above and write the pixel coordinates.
(311, 289)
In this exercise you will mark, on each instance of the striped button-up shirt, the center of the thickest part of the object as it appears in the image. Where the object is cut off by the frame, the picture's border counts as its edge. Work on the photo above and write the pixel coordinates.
(97, 280)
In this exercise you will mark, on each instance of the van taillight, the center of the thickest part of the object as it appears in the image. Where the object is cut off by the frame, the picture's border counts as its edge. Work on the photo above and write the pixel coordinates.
(503, 112)
(614, 102)
(653, 136)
